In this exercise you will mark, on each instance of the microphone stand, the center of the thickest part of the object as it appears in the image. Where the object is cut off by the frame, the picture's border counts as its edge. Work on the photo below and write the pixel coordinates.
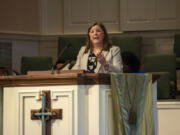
(60, 54)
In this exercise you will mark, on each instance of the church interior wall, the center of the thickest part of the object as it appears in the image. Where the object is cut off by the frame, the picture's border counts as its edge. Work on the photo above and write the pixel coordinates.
(33, 28)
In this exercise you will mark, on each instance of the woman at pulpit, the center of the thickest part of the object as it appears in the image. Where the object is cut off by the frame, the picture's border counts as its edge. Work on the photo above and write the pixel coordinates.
(99, 55)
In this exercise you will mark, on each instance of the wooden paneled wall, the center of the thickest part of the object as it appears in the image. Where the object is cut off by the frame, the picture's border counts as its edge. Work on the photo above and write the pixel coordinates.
(20, 16)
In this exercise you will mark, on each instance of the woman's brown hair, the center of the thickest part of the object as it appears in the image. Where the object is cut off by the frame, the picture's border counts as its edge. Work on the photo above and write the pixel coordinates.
(106, 42)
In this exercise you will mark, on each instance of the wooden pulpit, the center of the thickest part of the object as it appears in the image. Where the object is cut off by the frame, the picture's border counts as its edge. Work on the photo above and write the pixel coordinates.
(69, 103)
(63, 103)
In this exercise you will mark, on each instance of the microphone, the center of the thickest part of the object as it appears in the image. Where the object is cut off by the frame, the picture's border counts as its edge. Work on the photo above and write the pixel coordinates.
(60, 54)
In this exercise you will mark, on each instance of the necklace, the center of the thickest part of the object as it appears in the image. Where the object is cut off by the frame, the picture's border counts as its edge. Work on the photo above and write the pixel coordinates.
(97, 50)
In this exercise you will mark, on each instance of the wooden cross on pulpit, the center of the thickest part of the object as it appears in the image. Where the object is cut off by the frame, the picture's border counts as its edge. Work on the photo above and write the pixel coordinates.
(46, 113)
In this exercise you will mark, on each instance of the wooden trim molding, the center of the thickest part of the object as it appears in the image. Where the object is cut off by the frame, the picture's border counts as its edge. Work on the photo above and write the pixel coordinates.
(64, 77)
(76, 78)
(27, 36)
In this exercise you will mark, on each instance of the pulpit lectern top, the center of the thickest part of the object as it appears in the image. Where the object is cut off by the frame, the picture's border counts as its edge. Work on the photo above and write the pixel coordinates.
(62, 110)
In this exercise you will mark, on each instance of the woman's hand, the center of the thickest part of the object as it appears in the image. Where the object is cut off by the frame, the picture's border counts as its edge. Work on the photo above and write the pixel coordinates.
(102, 60)
(59, 66)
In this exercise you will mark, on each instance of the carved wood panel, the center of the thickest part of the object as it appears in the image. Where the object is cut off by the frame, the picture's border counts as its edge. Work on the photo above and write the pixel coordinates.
(138, 15)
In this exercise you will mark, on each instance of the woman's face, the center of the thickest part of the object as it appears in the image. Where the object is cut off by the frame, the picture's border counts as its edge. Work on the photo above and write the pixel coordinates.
(96, 35)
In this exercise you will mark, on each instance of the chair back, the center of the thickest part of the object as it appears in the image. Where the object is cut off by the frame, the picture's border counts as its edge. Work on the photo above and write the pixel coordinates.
(35, 63)
(177, 45)
(76, 41)
(128, 43)
(165, 64)
(177, 49)
(161, 63)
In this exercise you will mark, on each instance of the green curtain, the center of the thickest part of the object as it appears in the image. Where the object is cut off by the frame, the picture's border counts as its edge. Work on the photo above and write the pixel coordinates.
(132, 103)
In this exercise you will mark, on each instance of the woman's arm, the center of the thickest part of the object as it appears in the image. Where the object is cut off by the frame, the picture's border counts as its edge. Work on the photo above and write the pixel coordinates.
(78, 61)
(116, 65)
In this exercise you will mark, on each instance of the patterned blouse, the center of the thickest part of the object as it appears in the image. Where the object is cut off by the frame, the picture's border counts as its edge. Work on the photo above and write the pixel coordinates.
(92, 62)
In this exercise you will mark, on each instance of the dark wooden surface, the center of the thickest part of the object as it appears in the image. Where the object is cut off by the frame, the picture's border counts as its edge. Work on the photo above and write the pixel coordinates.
(70, 77)
(62, 78)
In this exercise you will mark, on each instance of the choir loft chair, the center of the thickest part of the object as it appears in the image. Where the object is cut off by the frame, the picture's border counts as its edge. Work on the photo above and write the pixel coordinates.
(177, 50)
(165, 65)
(129, 43)
(35, 63)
